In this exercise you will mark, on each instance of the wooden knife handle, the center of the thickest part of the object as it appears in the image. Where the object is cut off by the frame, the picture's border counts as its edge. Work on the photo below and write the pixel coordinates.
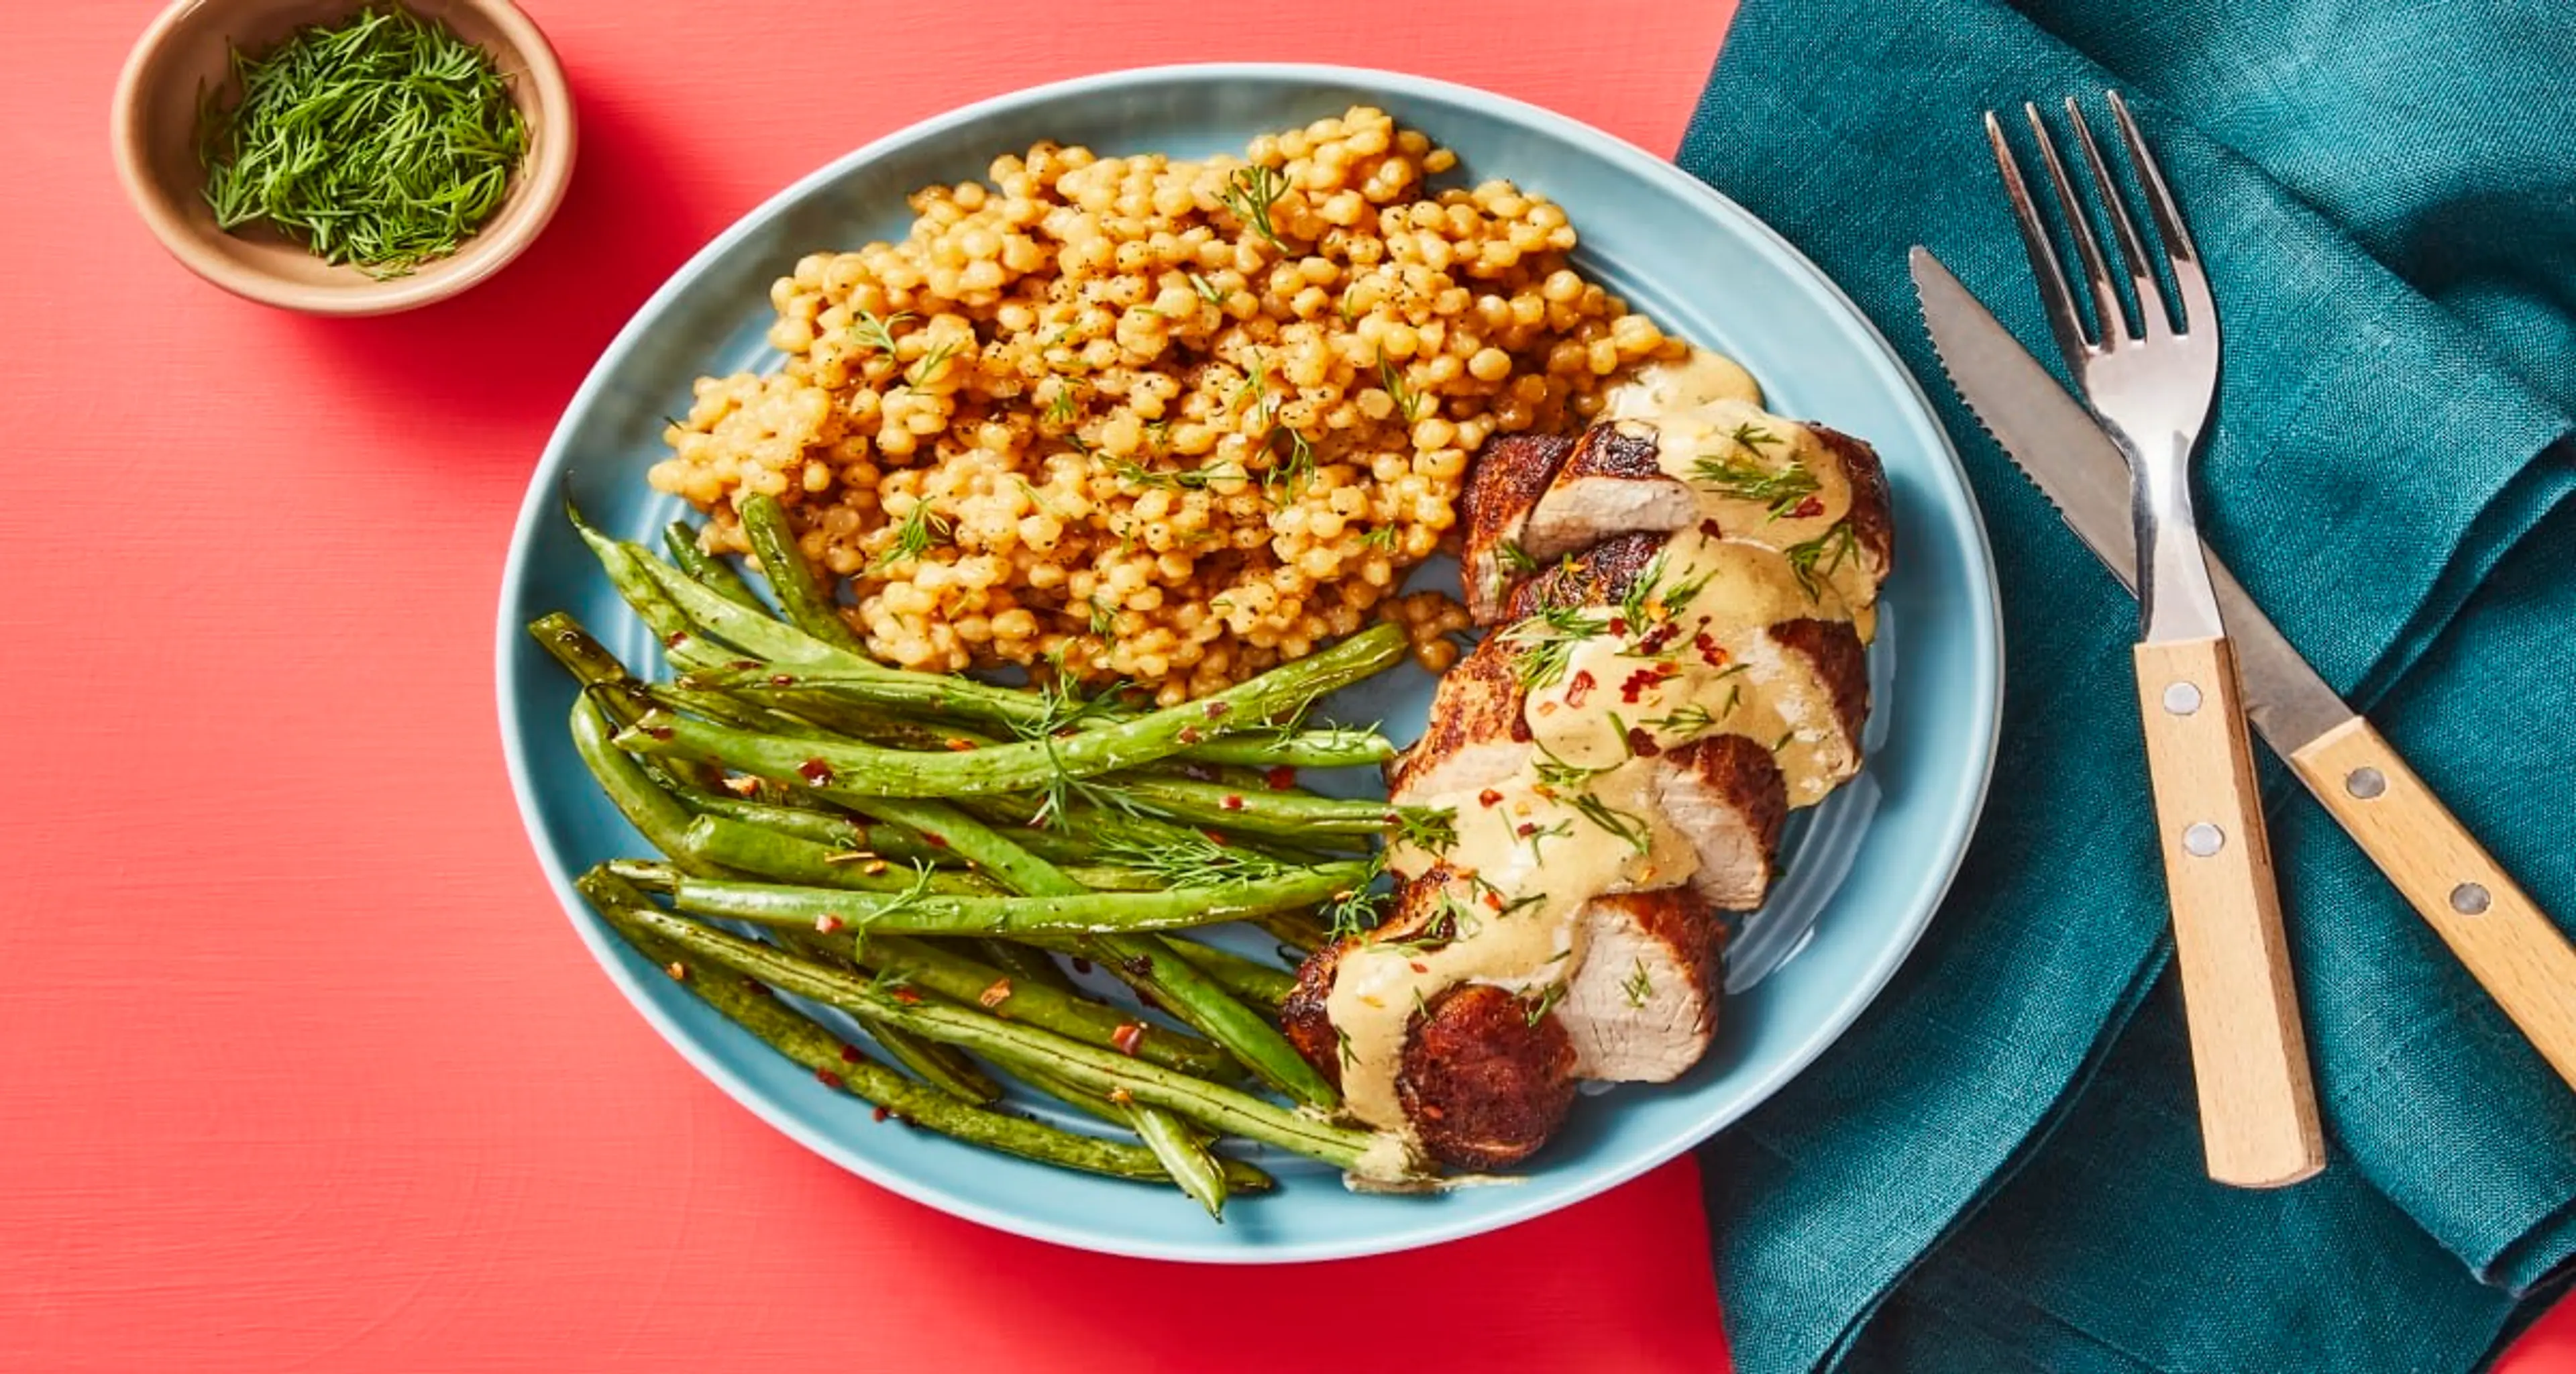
(2249, 1055)
(2508, 944)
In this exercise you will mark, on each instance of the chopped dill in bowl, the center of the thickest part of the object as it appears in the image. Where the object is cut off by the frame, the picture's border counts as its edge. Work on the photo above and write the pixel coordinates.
(382, 142)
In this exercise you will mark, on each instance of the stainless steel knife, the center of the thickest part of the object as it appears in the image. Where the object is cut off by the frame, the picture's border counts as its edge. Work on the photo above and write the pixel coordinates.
(2494, 928)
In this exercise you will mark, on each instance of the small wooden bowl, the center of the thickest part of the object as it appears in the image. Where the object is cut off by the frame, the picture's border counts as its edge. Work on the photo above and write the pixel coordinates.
(188, 50)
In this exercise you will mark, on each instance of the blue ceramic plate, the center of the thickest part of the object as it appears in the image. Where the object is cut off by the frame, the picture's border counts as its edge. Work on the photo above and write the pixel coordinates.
(1865, 870)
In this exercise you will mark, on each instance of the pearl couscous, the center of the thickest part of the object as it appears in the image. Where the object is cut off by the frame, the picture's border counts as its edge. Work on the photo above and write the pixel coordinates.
(1173, 422)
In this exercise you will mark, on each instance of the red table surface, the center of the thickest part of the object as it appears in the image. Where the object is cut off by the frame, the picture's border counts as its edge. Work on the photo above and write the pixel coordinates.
(304, 1068)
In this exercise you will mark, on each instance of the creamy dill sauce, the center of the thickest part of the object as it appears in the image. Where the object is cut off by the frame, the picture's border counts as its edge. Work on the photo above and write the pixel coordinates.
(1611, 688)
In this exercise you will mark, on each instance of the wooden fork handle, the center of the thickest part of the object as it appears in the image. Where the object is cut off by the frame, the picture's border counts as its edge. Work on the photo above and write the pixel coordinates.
(2508, 944)
(2258, 1108)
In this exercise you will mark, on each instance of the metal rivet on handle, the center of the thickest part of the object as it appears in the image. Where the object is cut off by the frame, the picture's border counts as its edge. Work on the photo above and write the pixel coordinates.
(2469, 899)
(2365, 783)
(2201, 839)
(2181, 699)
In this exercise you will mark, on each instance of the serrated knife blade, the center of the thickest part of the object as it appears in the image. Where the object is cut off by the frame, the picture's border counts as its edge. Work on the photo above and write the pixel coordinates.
(2061, 448)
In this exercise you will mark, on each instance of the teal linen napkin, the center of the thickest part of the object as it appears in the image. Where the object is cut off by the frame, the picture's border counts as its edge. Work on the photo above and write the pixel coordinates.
(1998, 1166)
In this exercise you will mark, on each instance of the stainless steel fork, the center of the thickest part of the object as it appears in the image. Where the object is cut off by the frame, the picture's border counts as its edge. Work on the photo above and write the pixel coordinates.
(2152, 387)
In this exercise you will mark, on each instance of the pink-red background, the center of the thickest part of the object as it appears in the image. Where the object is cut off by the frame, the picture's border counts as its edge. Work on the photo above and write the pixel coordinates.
(303, 1068)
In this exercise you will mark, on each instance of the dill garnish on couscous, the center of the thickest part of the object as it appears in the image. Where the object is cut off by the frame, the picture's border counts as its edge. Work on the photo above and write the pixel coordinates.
(1172, 422)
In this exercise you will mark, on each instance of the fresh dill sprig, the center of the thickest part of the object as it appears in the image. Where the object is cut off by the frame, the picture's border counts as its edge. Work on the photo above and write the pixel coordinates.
(1250, 193)
(1538, 834)
(1194, 862)
(1207, 290)
(905, 900)
(1060, 406)
(1293, 469)
(1741, 475)
(921, 528)
(1648, 600)
(1136, 474)
(1381, 539)
(1547, 643)
(1408, 402)
(930, 365)
(1631, 829)
(1639, 985)
(1362, 907)
(1537, 1008)
(1552, 771)
(1104, 617)
(1821, 556)
(1689, 721)
(382, 142)
(1515, 559)
(877, 331)
(1432, 828)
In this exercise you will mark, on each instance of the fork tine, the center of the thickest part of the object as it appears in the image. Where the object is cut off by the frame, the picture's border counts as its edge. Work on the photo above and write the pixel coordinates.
(2097, 274)
(2055, 299)
(2199, 312)
(2153, 318)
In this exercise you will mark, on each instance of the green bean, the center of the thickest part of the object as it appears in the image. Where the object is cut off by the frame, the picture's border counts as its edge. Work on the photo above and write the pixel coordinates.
(841, 1065)
(966, 699)
(1035, 763)
(933, 967)
(572, 646)
(754, 633)
(1201, 1002)
(656, 815)
(1299, 931)
(1028, 967)
(944, 1067)
(1250, 980)
(823, 827)
(787, 858)
(808, 604)
(945, 827)
(1374, 1155)
(929, 914)
(1263, 811)
(709, 571)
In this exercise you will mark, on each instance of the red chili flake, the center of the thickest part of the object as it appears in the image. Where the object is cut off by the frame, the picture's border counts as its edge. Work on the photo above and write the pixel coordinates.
(1710, 528)
(675, 639)
(1636, 684)
(743, 665)
(907, 996)
(1432, 1113)
(1489, 797)
(1641, 742)
(826, 923)
(1215, 837)
(1280, 778)
(1127, 1037)
(1231, 802)
(873, 867)
(850, 1054)
(1525, 829)
(782, 679)
(679, 971)
(1619, 625)
(934, 841)
(658, 731)
(1190, 734)
(1121, 1096)
(1417, 966)
(816, 772)
(1711, 652)
(1808, 509)
(960, 746)
(1493, 899)
(995, 995)
(880, 1114)
(1216, 710)
(1579, 687)
(827, 1078)
(1658, 637)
